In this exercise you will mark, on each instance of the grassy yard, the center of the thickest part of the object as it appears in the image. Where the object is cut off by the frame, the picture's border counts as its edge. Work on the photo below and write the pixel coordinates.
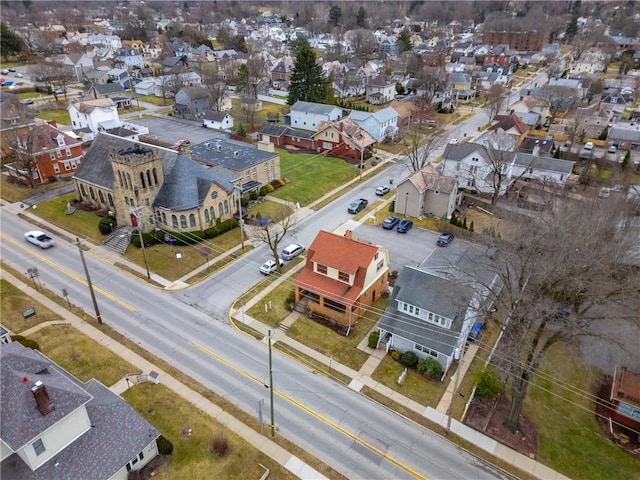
(152, 99)
(59, 116)
(15, 192)
(260, 117)
(13, 302)
(276, 211)
(311, 176)
(569, 438)
(278, 310)
(171, 414)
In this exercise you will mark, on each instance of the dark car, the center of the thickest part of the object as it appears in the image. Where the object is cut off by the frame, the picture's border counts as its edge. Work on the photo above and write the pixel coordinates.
(390, 222)
(404, 226)
(358, 205)
(445, 239)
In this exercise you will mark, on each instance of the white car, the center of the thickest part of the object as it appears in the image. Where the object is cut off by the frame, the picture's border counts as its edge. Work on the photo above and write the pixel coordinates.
(269, 267)
(454, 141)
(588, 146)
(39, 238)
(383, 190)
(292, 251)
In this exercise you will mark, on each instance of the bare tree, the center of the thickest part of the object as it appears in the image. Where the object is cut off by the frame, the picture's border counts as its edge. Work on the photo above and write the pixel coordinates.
(53, 75)
(419, 147)
(556, 100)
(500, 153)
(564, 276)
(494, 97)
(272, 234)
(217, 93)
(363, 44)
(22, 148)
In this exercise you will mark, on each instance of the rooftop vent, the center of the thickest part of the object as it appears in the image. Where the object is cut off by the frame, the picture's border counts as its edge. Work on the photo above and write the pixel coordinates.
(207, 145)
(219, 147)
(43, 402)
(236, 154)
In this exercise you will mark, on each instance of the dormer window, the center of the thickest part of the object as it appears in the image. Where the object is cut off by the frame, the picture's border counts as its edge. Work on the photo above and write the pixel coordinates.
(321, 269)
(60, 140)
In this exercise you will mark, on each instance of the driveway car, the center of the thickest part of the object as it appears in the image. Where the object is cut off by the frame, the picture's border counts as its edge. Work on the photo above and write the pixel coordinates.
(588, 146)
(604, 192)
(454, 141)
(383, 190)
(6, 83)
(27, 101)
(19, 75)
(39, 238)
(12, 69)
(4, 71)
(358, 205)
(390, 222)
(269, 267)
(612, 149)
(292, 251)
(404, 226)
(445, 239)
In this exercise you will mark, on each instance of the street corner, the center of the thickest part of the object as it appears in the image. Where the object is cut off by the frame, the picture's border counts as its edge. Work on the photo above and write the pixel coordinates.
(178, 285)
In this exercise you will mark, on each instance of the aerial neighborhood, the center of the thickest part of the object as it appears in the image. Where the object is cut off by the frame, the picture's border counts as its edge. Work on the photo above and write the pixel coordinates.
(239, 237)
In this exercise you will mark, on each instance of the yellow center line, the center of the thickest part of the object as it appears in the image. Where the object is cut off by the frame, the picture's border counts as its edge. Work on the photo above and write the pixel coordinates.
(66, 272)
(314, 414)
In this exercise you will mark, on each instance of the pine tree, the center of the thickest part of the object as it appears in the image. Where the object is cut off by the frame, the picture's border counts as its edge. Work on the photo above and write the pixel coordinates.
(361, 17)
(241, 131)
(464, 223)
(404, 40)
(334, 15)
(308, 83)
(471, 226)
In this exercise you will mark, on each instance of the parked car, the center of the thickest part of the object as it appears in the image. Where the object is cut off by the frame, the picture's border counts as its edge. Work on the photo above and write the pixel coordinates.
(4, 71)
(604, 192)
(292, 251)
(270, 267)
(358, 205)
(60, 90)
(39, 239)
(612, 149)
(404, 226)
(383, 190)
(27, 101)
(390, 222)
(12, 70)
(588, 146)
(445, 239)
(6, 83)
(19, 75)
(454, 141)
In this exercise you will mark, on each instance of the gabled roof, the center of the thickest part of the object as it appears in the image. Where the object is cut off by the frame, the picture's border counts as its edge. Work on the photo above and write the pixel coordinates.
(350, 131)
(194, 92)
(236, 156)
(343, 254)
(106, 89)
(45, 137)
(428, 178)
(543, 163)
(460, 151)
(380, 81)
(116, 435)
(215, 116)
(430, 293)
(507, 122)
(89, 106)
(310, 107)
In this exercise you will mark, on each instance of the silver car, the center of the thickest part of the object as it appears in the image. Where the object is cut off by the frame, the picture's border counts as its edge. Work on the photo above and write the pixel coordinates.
(292, 251)
(39, 238)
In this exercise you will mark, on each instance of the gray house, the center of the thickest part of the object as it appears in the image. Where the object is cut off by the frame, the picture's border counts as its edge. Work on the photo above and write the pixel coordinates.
(55, 427)
(192, 102)
(380, 124)
(428, 314)
(427, 192)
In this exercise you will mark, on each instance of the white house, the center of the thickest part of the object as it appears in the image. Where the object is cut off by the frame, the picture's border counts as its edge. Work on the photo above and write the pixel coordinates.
(112, 41)
(128, 58)
(380, 90)
(145, 87)
(544, 169)
(380, 124)
(471, 164)
(307, 115)
(55, 427)
(217, 120)
(92, 113)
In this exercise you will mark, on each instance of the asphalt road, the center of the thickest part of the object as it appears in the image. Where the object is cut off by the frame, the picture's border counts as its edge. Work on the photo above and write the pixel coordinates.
(343, 428)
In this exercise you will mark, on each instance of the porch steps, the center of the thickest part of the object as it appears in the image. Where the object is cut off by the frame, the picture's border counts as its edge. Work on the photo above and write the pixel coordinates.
(300, 307)
(283, 327)
(118, 241)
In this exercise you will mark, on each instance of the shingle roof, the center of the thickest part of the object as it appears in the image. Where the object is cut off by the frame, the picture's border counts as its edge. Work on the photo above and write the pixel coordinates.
(117, 433)
(460, 151)
(544, 163)
(345, 255)
(45, 137)
(89, 106)
(195, 91)
(215, 115)
(379, 81)
(310, 107)
(429, 178)
(247, 155)
(431, 293)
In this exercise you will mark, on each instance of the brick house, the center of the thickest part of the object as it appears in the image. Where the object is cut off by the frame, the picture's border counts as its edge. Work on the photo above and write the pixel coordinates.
(625, 398)
(342, 276)
(54, 154)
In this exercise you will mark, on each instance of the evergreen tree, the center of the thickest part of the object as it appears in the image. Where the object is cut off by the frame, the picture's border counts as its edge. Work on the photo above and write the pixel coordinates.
(241, 131)
(308, 83)
(404, 40)
(334, 15)
(471, 226)
(10, 43)
(361, 17)
(242, 78)
(572, 28)
(464, 223)
(625, 160)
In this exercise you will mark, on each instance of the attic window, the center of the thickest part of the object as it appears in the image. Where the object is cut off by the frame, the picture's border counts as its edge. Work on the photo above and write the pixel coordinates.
(38, 447)
(321, 269)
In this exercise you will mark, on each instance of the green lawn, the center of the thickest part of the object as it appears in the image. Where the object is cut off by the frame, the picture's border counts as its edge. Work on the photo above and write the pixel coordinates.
(278, 310)
(569, 438)
(154, 100)
(275, 210)
(13, 302)
(59, 116)
(311, 176)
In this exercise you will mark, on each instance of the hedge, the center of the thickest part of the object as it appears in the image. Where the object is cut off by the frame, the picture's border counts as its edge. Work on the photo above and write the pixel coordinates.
(26, 342)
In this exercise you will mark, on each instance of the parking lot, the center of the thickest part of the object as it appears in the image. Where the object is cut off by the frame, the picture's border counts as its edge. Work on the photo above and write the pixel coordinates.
(172, 130)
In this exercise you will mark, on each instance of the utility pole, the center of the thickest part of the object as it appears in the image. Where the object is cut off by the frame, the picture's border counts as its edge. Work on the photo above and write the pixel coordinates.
(86, 272)
(361, 160)
(144, 255)
(273, 424)
(240, 219)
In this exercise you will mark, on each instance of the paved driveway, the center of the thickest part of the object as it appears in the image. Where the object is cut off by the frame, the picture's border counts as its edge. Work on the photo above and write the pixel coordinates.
(173, 130)
(404, 249)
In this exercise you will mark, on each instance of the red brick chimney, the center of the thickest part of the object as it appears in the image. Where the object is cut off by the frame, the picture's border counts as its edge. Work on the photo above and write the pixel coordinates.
(43, 402)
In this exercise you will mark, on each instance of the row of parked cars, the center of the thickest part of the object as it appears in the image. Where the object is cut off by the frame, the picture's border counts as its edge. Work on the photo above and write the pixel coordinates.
(288, 253)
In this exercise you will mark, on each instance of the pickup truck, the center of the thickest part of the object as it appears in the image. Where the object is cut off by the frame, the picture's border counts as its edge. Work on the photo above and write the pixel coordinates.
(358, 205)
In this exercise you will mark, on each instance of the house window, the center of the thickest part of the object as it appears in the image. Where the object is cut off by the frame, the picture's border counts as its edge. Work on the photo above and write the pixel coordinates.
(405, 307)
(380, 265)
(321, 269)
(38, 446)
(164, 218)
(220, 209)
(146, 202)
(56, 168)
(226, 206)
(427, 350)
(192, 220)
(101, 196)
(68, 152)
(206, 215)
(92, 193)
(183, 221)
(110, 198)
(59, 153)
(473, 169)
(342, 276)
(82, 190)
(174, 221)
(52, 156)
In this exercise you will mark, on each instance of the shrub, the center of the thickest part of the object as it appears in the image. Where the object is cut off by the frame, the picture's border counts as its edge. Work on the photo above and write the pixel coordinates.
(244, 201)
(269, 188)
(392, 206)
(26, 342)
(107, 224)
(149, 239)
(430, 367)
(263, 190)
(165, 447)
(489, 384)
(241, 130)
(220, 445)
(289, 301)
(253, 195)
(373, 338)
(282, 182)
(409, 359)
(395, 354)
